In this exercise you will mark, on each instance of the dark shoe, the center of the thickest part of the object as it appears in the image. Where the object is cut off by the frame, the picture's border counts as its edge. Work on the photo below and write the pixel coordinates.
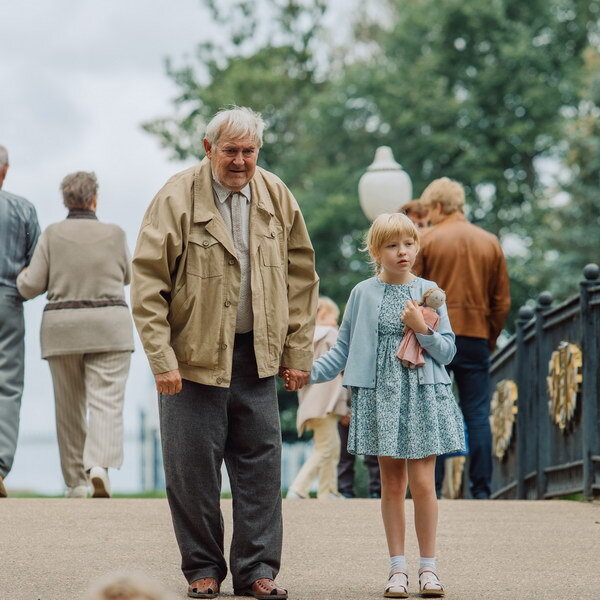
(3, 493)
(374, 495)
(207, 587)
(348, 494)
(264, 589)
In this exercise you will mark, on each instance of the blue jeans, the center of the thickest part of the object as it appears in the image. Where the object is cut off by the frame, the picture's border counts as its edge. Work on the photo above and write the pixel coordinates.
(471, 368)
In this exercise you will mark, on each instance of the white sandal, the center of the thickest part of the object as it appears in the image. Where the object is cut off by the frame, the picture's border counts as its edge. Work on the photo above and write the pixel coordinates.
(397, 586)
(430, 585)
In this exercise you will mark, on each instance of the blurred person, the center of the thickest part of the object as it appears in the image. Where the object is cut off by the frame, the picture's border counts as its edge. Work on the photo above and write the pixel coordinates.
(127, 586)
(346, 465)
(417, 213)
(320, 408)
(86, 334)
(224, 295)
(468, 263)
(19, 233)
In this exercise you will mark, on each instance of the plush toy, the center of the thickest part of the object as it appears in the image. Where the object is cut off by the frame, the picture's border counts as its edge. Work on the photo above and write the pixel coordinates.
(410, 351)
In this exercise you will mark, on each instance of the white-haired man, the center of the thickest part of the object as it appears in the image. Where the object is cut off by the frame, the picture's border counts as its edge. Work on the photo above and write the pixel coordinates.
(19, 232)
(224, 294)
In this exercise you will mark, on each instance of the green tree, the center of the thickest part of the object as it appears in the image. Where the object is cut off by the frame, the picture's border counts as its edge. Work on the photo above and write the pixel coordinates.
(569, 235)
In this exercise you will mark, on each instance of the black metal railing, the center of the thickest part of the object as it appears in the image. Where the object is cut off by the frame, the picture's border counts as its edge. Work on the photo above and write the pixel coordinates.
(546, 379)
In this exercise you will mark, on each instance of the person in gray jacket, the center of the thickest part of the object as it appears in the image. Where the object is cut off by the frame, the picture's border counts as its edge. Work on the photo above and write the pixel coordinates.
(19, 232)
(86, 335)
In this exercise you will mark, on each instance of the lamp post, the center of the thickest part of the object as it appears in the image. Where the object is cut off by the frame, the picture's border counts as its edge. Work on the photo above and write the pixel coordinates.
(385, 187)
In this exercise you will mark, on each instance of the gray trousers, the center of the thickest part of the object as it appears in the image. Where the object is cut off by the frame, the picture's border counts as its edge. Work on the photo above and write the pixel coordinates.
(202, 426)
(12, 356)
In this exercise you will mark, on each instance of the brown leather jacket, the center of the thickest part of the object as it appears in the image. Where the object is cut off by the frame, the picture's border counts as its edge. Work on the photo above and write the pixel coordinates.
(469, 265)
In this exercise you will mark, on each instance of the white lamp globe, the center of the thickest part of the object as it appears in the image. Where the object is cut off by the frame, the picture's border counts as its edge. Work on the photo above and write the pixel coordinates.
(385, 187)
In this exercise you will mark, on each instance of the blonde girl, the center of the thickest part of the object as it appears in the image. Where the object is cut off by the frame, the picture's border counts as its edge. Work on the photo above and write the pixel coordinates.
(404, 416)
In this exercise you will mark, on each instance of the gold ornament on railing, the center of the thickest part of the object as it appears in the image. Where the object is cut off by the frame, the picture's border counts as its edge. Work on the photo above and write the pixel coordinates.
(502, 418)
(564, 378)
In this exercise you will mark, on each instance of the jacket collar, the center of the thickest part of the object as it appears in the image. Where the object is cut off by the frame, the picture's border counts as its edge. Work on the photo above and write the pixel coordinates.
(205, 210)
(452, 218)
(204, 200)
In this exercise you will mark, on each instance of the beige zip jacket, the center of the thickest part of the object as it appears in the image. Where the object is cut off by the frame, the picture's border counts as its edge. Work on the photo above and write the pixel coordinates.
(186, 280)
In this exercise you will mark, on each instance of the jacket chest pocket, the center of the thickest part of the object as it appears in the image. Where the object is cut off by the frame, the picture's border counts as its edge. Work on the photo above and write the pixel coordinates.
(205, 256)
(271, 247)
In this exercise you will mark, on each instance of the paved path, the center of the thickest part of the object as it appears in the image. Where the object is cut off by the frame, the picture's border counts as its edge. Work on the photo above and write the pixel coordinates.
(53, 549)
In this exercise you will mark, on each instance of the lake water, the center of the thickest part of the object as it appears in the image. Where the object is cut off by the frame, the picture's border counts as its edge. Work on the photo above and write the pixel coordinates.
(37, 465)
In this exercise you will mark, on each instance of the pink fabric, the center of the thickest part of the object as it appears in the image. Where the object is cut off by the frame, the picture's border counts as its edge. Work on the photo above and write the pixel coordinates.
(410, 350)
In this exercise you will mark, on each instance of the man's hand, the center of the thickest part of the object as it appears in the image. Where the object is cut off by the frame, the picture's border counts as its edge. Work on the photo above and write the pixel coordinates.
(412, 317)
(169, 382)
(294, 379)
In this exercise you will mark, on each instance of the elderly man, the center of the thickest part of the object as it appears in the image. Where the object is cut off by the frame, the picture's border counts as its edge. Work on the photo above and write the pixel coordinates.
(19, 232)
(224, 294)
(468, 263)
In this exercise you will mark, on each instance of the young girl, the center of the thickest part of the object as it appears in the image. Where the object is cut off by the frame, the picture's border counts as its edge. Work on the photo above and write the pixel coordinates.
(320, 408)
(404, 416)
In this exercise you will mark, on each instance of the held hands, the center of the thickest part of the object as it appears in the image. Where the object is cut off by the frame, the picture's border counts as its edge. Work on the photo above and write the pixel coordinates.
(412, 317)
(294, 379)
(169, 382)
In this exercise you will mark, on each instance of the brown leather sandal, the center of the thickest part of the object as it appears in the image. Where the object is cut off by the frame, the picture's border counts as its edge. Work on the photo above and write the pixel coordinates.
(207, 587)
(265, 589)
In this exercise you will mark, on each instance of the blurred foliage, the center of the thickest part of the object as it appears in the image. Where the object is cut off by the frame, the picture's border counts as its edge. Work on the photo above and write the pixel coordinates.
(487, 93)
(568, 223)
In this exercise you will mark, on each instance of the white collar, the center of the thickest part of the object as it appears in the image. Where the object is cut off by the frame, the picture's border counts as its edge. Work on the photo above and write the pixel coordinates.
(223, 193)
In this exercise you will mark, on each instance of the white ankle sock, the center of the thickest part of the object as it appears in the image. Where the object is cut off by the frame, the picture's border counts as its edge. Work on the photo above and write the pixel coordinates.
(427, 562)
(397, 562)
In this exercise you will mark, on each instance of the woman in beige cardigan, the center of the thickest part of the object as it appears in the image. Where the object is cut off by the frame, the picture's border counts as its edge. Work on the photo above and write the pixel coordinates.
(320, 408)
(86, 334)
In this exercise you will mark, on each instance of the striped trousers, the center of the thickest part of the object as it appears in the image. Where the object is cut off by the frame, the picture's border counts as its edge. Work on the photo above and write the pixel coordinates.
(89, 391)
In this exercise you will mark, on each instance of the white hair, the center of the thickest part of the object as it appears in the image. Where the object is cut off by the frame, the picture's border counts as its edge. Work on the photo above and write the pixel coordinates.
(239, 122)
(3, 156)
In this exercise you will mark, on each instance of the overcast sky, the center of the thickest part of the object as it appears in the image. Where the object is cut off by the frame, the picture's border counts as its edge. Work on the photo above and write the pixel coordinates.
(78, 77)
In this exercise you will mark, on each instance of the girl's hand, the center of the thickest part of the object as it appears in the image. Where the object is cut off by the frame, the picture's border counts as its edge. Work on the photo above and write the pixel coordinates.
(412, 317)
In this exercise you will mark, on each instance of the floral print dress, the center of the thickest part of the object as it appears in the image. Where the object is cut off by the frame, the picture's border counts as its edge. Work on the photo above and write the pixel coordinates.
(399, 417)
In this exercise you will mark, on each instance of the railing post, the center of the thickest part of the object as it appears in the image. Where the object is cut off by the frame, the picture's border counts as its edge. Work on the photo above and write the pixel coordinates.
(540, 412)
(589, 393)
(525, 315)
(142, 450)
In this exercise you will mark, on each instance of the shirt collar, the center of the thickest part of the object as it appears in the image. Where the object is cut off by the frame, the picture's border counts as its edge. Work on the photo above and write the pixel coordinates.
(223, 193)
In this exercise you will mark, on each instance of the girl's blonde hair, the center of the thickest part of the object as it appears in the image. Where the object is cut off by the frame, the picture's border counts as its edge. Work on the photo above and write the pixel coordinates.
(384, 228)
(328, 306)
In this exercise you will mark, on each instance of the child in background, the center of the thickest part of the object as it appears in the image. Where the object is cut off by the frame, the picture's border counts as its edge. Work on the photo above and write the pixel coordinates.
(320, 408)
(417, 213)
(404, 416)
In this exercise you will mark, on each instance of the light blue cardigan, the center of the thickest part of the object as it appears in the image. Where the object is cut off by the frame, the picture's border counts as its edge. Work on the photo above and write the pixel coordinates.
(355, 351)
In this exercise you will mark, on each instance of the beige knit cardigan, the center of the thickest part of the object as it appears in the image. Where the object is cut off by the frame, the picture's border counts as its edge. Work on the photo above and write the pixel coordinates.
(83, 265)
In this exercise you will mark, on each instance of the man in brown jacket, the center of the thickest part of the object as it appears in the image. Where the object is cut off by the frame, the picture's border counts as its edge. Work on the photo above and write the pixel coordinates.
(224, 294)
(468, 263)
